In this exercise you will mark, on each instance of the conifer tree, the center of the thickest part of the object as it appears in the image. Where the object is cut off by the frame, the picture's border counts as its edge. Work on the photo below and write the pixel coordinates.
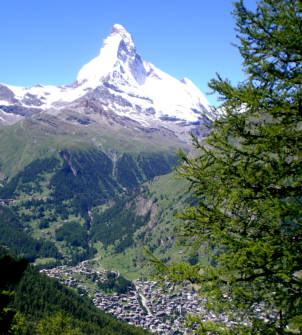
(247, 177)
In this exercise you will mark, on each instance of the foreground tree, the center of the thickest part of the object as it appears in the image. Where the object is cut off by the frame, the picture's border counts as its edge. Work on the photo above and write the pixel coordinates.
(247, 177)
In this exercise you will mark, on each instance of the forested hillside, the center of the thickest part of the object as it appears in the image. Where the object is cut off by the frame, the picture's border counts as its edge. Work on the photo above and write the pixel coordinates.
(60, 182)
(71, 193)
(32, 303)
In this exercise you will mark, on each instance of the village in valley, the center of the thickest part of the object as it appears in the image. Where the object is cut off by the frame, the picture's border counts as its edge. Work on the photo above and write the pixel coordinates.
(147, 304)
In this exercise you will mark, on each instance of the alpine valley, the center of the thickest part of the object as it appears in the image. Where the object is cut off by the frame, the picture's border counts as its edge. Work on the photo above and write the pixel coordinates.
(86, 170)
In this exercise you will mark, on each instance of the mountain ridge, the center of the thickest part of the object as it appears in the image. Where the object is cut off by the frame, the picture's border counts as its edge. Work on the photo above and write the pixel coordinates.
(121, 83)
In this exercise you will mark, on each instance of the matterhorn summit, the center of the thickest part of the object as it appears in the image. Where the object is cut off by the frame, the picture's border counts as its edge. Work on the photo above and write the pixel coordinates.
(117, 85)
(117, 58)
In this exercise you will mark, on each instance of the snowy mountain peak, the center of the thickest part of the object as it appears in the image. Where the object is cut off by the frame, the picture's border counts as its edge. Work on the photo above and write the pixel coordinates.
(118, 54)
(117, 83)
(118, 29)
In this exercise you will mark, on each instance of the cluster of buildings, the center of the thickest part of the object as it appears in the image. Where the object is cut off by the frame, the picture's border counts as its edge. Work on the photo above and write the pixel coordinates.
(150, 307)
(161, 310)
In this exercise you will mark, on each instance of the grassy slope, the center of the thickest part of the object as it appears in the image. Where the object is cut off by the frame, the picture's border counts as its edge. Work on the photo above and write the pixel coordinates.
(30, 139)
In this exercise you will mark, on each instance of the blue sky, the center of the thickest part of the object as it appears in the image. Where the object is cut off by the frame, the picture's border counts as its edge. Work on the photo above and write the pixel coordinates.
(47, 42)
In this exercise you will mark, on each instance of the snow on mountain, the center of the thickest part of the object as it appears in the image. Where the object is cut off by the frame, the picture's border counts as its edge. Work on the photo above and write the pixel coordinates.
(119, 63)
(118, 50)
(120, 80)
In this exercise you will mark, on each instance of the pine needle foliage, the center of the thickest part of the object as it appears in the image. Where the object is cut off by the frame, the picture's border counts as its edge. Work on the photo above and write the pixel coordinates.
(247, 177)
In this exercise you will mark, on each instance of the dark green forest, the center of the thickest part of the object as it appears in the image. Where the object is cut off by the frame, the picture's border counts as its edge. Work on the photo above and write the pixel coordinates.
(109, 227)
(32, 303)
(12, 235)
